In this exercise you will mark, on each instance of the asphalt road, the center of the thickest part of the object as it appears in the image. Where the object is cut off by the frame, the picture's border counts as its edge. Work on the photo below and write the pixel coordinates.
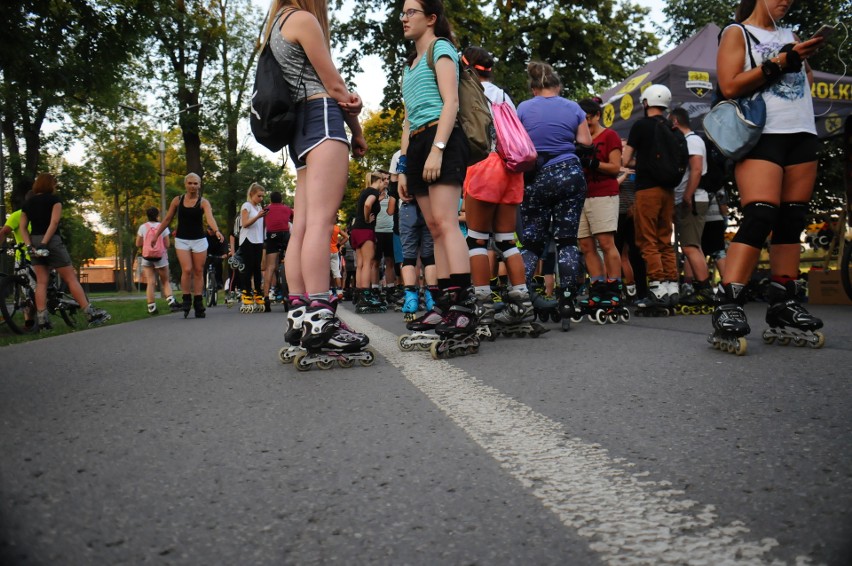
(180, 441)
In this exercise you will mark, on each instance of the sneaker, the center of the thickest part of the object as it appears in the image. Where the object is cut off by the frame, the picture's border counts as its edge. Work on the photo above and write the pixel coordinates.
(152, 308)
(43, 318)
(96, 316)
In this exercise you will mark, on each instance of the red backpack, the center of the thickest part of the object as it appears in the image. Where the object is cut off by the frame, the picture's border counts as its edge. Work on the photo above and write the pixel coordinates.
(153, 249)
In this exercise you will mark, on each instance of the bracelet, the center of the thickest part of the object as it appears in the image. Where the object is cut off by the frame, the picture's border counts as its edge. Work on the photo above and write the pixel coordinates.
(771, 71)
(402, 164)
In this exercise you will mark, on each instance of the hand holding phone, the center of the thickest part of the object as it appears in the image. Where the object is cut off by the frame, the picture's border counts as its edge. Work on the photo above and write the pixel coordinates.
(825, 31)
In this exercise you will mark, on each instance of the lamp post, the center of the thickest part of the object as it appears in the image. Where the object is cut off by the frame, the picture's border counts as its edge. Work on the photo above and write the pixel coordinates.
(160, 119)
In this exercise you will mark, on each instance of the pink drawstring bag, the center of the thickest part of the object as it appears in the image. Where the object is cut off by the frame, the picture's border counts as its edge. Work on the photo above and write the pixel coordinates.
(513, 142)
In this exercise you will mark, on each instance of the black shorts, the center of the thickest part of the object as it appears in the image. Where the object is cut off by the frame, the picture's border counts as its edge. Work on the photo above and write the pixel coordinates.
(276, 242)
(713, 238)
(384, 245)
(786, 149)
(453, 166)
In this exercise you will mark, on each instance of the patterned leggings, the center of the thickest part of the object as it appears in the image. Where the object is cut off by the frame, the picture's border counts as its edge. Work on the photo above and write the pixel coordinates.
(554, 202)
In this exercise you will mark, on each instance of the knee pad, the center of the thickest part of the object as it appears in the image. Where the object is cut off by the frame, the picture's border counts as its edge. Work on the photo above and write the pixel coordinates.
(476, 242)
(759, 218)
(427, 260)
(409, 261)
(792, 219)
(505, 242)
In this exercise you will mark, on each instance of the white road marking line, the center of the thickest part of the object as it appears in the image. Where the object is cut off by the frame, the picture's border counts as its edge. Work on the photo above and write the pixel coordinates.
(627, 518)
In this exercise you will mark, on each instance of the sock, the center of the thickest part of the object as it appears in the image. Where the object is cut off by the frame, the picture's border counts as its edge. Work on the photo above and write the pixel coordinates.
(522, 288)
(460, 280)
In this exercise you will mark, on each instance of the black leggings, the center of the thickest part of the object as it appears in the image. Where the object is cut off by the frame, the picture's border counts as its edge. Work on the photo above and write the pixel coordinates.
(252, 255)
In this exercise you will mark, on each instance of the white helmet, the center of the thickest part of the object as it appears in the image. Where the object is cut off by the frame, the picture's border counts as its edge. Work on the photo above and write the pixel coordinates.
(657, 95)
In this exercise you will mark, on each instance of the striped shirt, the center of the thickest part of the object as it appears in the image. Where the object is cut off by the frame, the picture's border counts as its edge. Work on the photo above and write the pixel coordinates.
(420, 92)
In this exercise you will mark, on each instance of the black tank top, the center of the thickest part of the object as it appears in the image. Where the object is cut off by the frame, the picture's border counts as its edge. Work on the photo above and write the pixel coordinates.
(190, 221)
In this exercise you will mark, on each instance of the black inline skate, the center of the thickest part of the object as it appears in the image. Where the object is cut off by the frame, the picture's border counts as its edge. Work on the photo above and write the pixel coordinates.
(369, 303)
(423, 327)
(657, 303)
(545, 308)
(697, 299)
(788, 320)
(187, 305)
(198, 306)
(485, 316)
(567, 310)
(730, 325)
(326, 340)
(603, 305)
(457, 330)
(293, 335)
(516, 318)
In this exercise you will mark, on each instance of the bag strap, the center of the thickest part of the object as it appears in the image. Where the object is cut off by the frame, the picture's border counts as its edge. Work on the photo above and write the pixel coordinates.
(305, 62)
(430, 52)
(749, 37)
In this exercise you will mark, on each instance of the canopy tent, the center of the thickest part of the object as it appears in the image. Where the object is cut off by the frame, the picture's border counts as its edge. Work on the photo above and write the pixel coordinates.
(689, 70)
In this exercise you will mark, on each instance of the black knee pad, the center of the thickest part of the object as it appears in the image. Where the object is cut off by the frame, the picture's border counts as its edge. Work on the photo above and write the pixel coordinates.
(427, 260)
(536, 248)
(759, 218)
(792, 219)
(409, 261)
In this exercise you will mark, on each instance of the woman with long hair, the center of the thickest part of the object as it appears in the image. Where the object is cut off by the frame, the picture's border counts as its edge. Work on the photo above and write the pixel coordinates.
(776, 179)
(433, 161)
(252, 214)
(298, 33)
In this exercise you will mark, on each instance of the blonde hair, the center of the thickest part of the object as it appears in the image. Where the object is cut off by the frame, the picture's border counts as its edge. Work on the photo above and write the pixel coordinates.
(253, 190)
(372, 177)
(317, 8)
(542, 76)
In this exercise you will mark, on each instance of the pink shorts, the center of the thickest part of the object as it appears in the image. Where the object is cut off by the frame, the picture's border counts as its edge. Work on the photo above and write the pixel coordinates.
(359, 236)
(490, 181)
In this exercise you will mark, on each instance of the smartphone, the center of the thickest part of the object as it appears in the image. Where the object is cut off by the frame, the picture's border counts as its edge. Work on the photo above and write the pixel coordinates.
(825, 31)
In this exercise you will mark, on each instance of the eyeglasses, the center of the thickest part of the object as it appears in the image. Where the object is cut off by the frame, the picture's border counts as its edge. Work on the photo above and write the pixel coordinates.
(409, 13)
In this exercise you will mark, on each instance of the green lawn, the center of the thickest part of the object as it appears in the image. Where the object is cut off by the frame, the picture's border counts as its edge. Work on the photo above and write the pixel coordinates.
(121, 310)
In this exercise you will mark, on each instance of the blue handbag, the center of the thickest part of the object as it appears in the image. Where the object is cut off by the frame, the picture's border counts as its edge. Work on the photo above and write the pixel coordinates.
(735, 125)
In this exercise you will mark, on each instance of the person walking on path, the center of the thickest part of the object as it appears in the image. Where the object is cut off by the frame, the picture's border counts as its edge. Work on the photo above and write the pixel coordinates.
(154, 268)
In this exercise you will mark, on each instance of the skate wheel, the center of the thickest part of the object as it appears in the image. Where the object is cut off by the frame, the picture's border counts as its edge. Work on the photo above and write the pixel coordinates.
(613, 318)
(576, 317)
(300, 363)
(784, 340)
(820, 340)
(434, 349)
(325, 364)
(768, 338)
(371, 357)
(600, 317)
(284, 355)
(344, 363)
(799, 342)
(625, 316)
(740, 347)
(404, 344)
(424, 346)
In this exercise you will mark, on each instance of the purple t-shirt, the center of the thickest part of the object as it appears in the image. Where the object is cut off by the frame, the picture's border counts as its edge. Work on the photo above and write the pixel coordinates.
(552, 124)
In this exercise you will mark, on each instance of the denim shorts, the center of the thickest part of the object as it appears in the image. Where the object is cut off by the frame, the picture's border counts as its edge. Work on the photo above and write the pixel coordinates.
(317, 120)
(413, 233)
(195, 246)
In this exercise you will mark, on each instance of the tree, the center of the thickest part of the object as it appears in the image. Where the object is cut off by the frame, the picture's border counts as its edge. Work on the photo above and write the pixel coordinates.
(56, 55)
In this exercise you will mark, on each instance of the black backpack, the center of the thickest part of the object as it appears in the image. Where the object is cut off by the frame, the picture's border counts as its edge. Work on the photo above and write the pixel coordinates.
(670, 157)
(718, 167)
(273, 112)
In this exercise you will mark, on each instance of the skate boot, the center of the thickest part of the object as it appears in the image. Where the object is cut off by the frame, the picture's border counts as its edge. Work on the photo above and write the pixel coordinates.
(152, 309)
(700, 301)
(730, 325)
(325, 341)
(293, 335)
(545, 308)
(423, 327)
(788, 319)
(613, 303)
(657, 301)
(96, 316)
(594, 307)
(672, 293)
(173, 304)
(485, 311)
(377, 299)
(43, 323)
(259, 303)
(367, 303)
(457, 329)
(566, 307)
(246, 302)
(198, 306)
(516, 318)
(186, 305)
(428, 300)
(267, 304)
(630, 293)
(409, 304)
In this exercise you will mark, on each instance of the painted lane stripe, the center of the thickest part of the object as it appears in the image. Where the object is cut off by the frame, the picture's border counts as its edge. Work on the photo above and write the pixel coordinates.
(627, 518)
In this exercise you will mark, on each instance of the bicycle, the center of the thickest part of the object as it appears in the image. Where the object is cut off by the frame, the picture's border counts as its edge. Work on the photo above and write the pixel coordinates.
(17, 296)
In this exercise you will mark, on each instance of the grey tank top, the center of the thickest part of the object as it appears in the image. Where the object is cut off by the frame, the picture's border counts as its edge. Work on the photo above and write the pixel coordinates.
(291, 57)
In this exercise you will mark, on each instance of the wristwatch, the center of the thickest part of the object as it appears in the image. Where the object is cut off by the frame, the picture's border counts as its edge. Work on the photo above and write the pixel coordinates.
(440, 145)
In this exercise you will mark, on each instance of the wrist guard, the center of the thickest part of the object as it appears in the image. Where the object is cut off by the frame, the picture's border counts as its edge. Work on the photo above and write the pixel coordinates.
(402, 164)
(794, 60)
(584, 151)
(771, 71)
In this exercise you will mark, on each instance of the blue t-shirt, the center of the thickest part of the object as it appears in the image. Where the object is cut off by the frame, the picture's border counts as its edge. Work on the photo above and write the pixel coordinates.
(552, 124)
(420, 92)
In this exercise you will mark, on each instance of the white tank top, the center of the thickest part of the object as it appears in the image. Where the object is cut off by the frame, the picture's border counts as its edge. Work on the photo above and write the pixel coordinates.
(789, 107)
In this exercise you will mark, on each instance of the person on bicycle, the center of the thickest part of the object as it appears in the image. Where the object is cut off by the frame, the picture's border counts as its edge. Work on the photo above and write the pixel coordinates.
(12, 226)
(155, 268)
(44, 211)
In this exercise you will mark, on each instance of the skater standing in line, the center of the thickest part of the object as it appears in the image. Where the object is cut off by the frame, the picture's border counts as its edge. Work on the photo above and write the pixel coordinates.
(190, 242)
(491, 211)
(252, 214)
(554, 197)
(363, 236)
(277, 224)
(298, 33)
(385, 220)
(39, 228)
(776, 178)
(433, 160)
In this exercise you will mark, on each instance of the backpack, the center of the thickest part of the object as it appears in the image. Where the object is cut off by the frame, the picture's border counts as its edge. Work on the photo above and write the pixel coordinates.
(718, 167)
(513, 142)
(670, 157)
(474, 115)
(153, 249)
(273, 112)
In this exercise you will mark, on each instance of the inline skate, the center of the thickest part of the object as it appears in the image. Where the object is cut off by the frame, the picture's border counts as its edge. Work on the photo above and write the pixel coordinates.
(96, 316)
(456, 332)
(173, 304)
(326, 341)
(788, 320)
(657, 303)
(516, 318)
(293, 335)
(368, 303)
(567, 310)
(246, 302)
(545, 308)
(485, 311)
(236, 262)
(410, 303)
(186, 305)
(422, 328)
(603, 304)
(259, 303)
(198, 306)
(730, 325)
(696, 300)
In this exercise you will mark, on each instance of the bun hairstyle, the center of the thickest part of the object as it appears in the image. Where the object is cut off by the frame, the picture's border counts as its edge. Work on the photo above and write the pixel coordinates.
(744, 10)
(542, 76)
(480, 60)
(442, 24)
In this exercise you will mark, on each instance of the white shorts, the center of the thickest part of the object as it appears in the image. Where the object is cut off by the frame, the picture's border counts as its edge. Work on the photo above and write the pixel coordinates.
(600, 215)
(162, 262)
(194, 246)
(334, 263)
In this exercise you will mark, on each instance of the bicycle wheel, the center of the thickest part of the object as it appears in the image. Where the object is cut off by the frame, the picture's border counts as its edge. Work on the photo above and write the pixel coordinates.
(15, 301)
(68, 310)
(845, 267)
(210, 288)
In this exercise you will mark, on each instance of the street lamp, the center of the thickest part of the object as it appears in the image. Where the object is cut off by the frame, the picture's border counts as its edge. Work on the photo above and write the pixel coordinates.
(160, 119)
